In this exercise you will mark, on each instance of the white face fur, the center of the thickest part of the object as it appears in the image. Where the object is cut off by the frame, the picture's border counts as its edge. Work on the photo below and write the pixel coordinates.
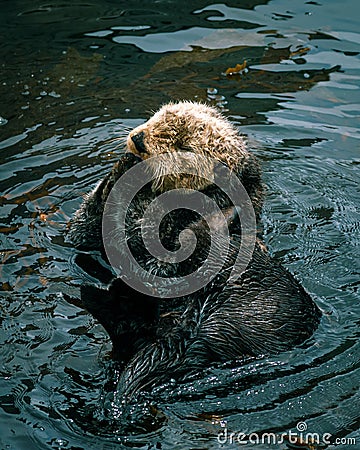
(184, 130)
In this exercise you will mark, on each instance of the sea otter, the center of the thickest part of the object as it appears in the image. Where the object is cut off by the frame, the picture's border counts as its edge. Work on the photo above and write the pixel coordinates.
(183, 128)
(264, 310)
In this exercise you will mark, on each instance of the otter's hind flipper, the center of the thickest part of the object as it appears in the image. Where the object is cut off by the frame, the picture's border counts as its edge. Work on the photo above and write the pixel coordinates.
(127, 315)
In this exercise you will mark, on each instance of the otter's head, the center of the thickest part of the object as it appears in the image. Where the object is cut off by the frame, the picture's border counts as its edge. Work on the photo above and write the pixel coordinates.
(182, 131)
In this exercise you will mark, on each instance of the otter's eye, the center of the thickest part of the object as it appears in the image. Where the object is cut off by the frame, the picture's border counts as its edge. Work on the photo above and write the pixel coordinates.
(138, 140)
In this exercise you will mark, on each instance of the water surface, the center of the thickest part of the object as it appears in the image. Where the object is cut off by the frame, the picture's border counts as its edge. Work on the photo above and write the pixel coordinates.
(76, 75)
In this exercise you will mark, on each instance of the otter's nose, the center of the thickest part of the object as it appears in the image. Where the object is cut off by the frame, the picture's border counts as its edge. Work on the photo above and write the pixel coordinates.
(138, 140)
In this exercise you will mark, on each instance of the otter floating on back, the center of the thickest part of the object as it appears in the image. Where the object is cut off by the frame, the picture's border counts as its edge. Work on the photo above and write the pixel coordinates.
(264, 311)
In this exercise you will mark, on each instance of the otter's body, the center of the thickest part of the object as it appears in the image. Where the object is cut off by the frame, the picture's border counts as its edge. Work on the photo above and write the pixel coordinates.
(263, 311)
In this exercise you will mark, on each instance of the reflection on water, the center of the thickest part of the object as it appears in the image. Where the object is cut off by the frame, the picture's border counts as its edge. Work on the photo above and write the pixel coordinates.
(75, 76)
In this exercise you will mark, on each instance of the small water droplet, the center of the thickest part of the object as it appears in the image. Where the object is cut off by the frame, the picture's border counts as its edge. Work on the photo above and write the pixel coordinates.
(3, 121)
(306, 75)
(54, 94)
(59, 442)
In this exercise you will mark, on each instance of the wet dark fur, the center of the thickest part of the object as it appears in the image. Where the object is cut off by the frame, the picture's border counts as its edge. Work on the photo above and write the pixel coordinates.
(265, 311)
(85, 227)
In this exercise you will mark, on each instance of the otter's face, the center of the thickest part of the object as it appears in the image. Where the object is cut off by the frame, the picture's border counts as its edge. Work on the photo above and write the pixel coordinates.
(185, 130)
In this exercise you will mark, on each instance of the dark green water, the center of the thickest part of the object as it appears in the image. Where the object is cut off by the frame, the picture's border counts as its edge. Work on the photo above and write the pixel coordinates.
(73, 76)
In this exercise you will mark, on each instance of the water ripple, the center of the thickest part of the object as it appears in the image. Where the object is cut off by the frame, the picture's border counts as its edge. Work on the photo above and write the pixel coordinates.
(107, 67)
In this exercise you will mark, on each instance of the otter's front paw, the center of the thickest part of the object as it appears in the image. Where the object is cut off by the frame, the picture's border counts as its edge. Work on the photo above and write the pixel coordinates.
(126, 162)
(84, 229)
